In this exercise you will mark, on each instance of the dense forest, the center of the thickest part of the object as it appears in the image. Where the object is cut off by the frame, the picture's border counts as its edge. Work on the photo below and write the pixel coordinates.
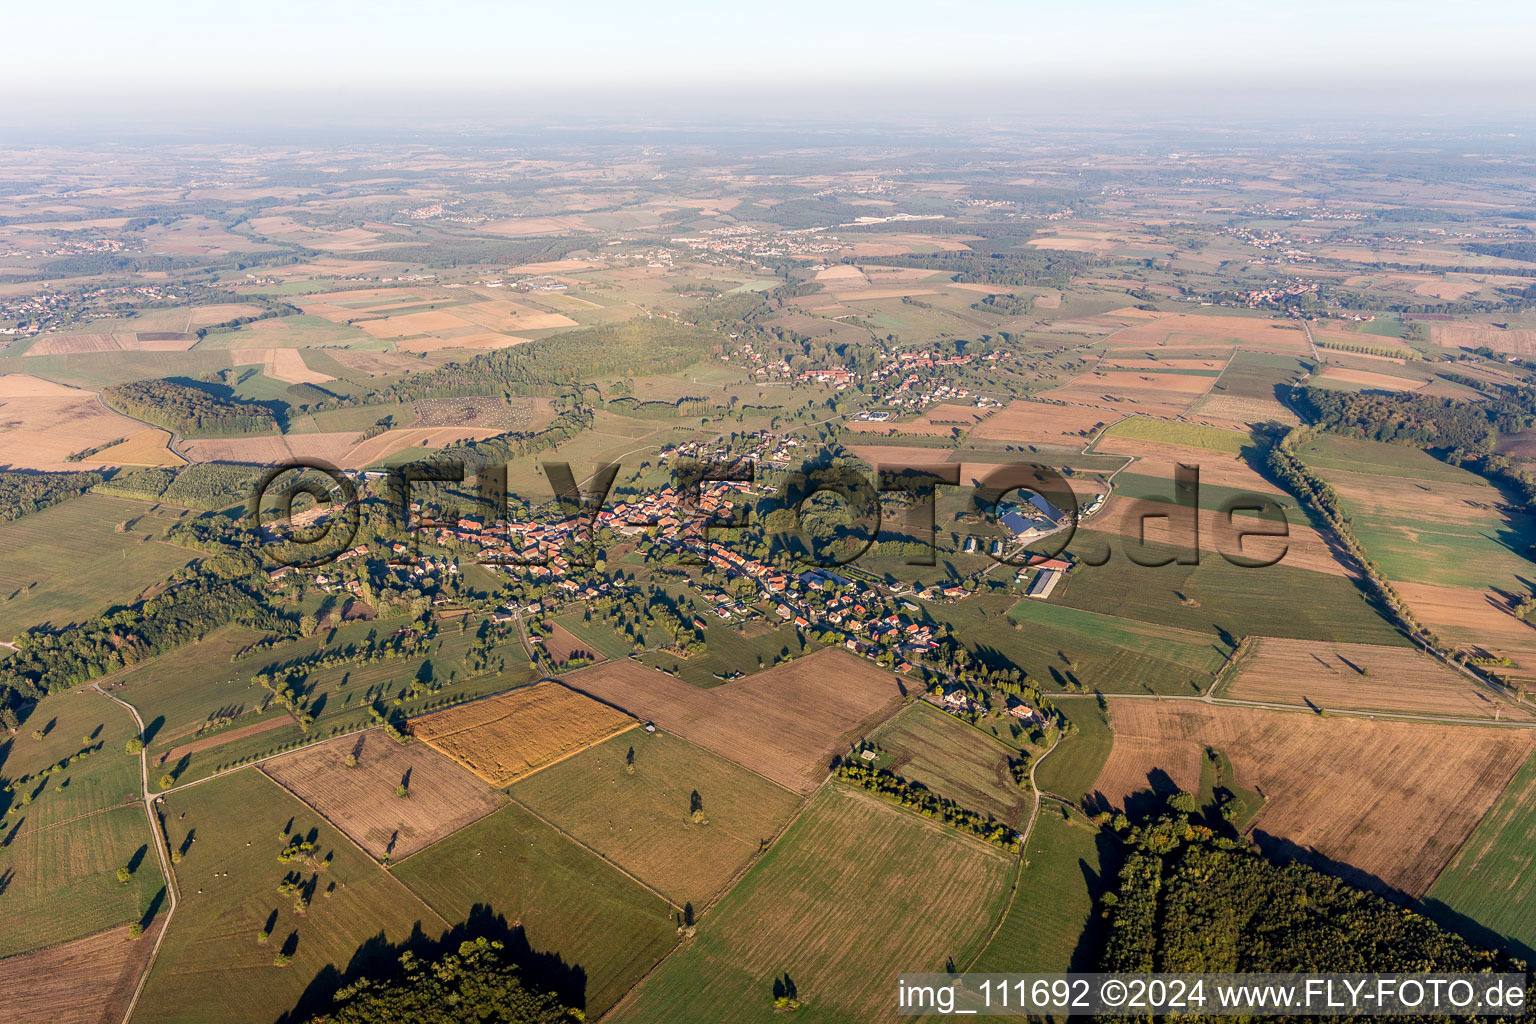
(1422, 421)
(21, 493)
(474, 986)
(186, 410)
(1188, 901)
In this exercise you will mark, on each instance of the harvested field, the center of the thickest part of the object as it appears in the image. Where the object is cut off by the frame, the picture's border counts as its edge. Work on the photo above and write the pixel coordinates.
(1368, 380)
(941, 752)
(1157, 459)
(1303, 546)
(642, 819)
(42, 423)
(1478, 620)
(362, 800)
(1231, 411)
(1491, 881)
(148, 447)
(503, 738)
(505, 317)
(784, 723)
(1175, 331)
(284, 364)
(88, 981)
(562, 645)
(78, 344)
(1513, 342)
(406, 325)
(376, 364)
(1026, 422)
(1126, 391)
(856, 891)
(1360, 677)
(1387, 802)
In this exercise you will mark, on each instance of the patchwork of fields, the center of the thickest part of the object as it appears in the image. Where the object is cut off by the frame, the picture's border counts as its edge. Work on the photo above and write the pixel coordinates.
(801, 910)
(1385, 803)
(784, 723)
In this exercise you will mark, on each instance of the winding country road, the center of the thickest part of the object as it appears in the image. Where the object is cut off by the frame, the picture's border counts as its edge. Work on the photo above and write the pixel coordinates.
(159, 840)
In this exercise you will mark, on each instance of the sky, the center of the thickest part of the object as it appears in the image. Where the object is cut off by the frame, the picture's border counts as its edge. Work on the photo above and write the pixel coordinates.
(174, 53)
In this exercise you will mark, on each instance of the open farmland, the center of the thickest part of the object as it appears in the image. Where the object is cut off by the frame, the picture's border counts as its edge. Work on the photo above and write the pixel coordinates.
(1075, 762)
(41, 581)
(784, 723)
(953, 760)
(592, 932)
(87, 981)
(1491, 881)
(562, 645)
(1423, 521)
(82, 751)
(1051, 926)
(642, 819)
(1387, 802)
(1361, 677)
(229, 832)
(503, 738)
(1478, 621)
(42, 423)
(1127, 391)
(61, 882)
(1026, 422)
(1167, 333)
(362, 800)
(1069, 646)
(855, 892)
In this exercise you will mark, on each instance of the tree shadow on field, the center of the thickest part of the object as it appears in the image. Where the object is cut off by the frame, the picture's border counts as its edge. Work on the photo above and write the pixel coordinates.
(1146, 803)
(1280, 850)
(1090, 944)
(379, 958)
(1475, 933)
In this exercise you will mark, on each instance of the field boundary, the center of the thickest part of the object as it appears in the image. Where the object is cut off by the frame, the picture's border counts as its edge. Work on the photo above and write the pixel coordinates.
(1018, 873)
(600, 856)
(447, 925)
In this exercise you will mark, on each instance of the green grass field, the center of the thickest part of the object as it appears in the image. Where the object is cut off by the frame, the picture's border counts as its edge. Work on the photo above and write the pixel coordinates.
(1489, 889)
(595, 635)
(1192, 435)
(69, 562)
(642, 820)
(82, 723)
(1072, 767)
(211, 966)
(1050, 928)
(727, 651)
(1058, 646)
(567, 901)
(1426, 522)
(60, 883)
(855, 892)
(1217, 597)
(946, 755)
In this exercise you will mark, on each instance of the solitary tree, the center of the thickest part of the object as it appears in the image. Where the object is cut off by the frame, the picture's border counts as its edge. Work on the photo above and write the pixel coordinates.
(123, 874)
